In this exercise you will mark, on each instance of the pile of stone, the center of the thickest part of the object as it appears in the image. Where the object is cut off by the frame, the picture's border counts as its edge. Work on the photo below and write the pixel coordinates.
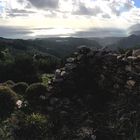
(96, 95)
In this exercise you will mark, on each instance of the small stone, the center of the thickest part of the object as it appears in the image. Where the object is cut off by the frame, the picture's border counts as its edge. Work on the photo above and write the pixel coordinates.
(50, 88)
(116, 86)
(70, 66)
(128, 53)
(57, 80)
(83, 49)
(131, 58)
(42, 97)
(136, 52)
(50, 108)
(70, 60)
(63, 73)
(63, 113)
(131, 83)
(53, 101)
(120, 56)
(128, 68)
(19, 103)
(93, 137)
(57, 73)
(66, 101)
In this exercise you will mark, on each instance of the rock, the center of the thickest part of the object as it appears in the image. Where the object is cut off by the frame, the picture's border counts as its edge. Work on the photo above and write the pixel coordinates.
(53, 101)
(83, 49)
(93, 137)
(70, 66)
(93, 82)
(120, 57)
(50, 87)
(19, 103)
(63, 113)
(128, 68)
(49, 108)
(66, 101)
(137, 67)
(116, 86)
(136, 52)
(132, 58)
(79, 57)
(57, 80)
(58, 73)
(70, 60)
(128, 53)
(42, 97)
(130, 83)
(63, 73)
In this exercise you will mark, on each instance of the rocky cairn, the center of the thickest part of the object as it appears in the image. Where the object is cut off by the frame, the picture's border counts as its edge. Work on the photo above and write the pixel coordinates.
(96, 96)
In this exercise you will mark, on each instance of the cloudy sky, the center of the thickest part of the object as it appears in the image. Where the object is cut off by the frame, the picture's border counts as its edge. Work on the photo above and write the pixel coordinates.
(78, 18)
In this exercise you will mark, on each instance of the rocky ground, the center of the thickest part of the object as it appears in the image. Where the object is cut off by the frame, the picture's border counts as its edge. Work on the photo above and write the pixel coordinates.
(96, 96)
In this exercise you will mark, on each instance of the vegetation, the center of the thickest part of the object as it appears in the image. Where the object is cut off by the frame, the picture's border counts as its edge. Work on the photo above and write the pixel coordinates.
(32, 127)
(36, 95)
(92, 95)
(20, 88)
(7, 101)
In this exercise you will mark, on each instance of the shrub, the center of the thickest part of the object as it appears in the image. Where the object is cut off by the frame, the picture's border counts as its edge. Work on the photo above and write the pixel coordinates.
(9, 83)
(36, 95)
(32, 127)
(7, 101)
(20, 88)
(46, 78)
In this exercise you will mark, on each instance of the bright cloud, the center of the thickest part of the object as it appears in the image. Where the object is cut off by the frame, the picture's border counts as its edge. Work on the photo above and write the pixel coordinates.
(69, 17)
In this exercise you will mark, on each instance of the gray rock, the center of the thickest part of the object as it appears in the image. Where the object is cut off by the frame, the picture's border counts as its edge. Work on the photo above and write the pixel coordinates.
(70, 59)
(63, 73)
(54, 101)
(70, 66)
(130, 84)
(128, 68)
(136, 52)
(58, 73)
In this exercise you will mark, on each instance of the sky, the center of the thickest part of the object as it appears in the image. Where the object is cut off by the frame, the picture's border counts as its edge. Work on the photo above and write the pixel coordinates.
(63, 18)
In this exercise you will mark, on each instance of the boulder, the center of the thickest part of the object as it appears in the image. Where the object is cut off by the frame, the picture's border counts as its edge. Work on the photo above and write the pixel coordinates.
(136, 52)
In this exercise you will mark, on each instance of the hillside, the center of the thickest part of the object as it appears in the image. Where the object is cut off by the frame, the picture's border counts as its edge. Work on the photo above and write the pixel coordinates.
(28, 60)
(127, 42)
(94, 96)
(106, 41)
(57, 47)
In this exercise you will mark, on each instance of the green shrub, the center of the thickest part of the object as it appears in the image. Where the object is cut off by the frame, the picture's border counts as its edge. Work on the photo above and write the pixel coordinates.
(7, 101)
(32, 127)
(45, 78)
(36, 95)
(20, 88)
(9, 83)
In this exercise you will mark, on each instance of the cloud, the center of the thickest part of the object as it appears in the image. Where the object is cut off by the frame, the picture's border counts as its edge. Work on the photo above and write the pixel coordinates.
(19, 12)
(14, 32)
(101, 32)
(83, 10)
(134, 29)
(103, 17)
(45, 4)
(119, 6)
(106, 16)
(107, 8)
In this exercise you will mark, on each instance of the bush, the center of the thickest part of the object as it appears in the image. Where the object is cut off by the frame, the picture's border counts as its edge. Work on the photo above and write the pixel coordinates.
(9, 83)
(36, 95)
(7, 101)
(20, 88)
(32, 127)
(46, 78)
